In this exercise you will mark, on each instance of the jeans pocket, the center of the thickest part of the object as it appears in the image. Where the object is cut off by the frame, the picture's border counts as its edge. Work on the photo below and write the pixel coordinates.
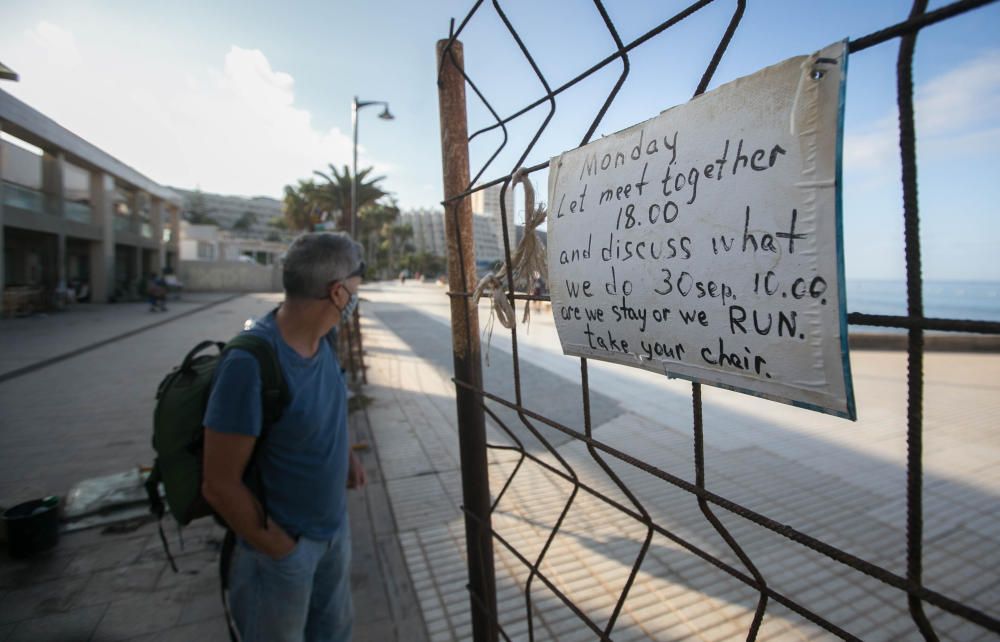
(289, 556)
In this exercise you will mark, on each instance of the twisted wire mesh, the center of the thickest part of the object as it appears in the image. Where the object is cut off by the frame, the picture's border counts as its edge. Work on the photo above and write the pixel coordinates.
(631, 506)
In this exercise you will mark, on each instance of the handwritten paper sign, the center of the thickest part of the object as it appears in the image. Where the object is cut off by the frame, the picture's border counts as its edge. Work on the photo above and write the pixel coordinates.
(706, 243)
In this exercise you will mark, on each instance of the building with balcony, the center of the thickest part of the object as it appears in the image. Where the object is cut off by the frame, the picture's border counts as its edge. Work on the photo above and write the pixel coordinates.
(73, 216)
(428, 230)
(488, 244)
(486, 202)
(428, 234)
(244, 217)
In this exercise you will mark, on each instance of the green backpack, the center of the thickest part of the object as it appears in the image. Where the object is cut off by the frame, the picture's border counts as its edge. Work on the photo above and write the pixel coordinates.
(178, 433)
(179, 440)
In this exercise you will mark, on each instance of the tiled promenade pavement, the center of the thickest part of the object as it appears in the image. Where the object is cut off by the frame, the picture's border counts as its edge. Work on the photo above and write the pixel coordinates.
(90, 415)
(841, 482)
(832, 479)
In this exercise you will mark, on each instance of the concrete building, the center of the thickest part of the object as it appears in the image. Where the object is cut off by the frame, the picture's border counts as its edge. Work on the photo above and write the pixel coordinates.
(243, 232)
(256, 212)
(210, 243)
(428, 230)
(487, 203)
(71, 213)
(489, 244)
(429, 234)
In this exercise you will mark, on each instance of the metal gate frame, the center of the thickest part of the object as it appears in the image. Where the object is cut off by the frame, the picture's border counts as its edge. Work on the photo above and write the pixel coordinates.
(471, 397)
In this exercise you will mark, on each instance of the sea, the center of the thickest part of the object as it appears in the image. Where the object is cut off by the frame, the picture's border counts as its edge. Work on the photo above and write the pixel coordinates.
(970, 300)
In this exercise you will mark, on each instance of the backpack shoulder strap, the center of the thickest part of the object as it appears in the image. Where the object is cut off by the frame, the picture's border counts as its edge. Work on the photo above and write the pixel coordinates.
(274, 398)
(273, 386)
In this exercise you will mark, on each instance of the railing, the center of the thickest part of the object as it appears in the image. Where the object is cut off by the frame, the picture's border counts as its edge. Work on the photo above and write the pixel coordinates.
(25, 198)
(124, 224)
(617, 501)
(38, 201)
(79, 212)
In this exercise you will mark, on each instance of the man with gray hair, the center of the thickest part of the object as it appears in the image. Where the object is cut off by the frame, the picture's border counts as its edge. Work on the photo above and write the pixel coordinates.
(290, 573)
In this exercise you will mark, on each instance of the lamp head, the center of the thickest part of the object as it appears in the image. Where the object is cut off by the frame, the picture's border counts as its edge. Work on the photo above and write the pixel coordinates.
(385, 115)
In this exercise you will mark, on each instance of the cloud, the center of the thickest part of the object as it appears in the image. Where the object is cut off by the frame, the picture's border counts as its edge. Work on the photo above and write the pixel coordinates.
(956, 115)
(232, 126)
(968, 96)
(58, 44)
(245, 134)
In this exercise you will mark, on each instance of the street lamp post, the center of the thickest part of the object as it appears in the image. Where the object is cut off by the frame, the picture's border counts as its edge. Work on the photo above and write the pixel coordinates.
(385, 115)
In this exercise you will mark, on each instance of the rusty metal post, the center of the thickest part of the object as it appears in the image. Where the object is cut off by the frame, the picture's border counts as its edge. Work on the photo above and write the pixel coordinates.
(465, 341)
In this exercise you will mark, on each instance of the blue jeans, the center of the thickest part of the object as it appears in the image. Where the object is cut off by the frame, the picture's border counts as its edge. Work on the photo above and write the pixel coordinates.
(303, 597)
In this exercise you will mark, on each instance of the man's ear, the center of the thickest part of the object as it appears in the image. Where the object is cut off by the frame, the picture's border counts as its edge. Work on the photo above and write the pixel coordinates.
(334, 295)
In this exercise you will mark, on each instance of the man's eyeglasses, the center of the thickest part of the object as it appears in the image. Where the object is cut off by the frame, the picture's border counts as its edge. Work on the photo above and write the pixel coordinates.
(358, 272)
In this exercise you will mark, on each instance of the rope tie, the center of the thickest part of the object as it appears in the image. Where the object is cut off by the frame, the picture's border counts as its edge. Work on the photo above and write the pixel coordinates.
(528, 261)
(501, 308)
(501, 305)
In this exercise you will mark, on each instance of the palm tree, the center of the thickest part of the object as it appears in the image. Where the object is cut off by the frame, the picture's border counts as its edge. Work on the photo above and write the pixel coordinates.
(297, 208)
(372, 220)
(336, 194)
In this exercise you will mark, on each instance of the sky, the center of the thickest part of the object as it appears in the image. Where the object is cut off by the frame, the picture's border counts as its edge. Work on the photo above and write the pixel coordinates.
(246, 97)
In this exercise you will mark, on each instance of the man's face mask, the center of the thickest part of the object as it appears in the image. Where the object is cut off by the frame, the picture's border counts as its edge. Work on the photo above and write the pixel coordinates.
(352, 302)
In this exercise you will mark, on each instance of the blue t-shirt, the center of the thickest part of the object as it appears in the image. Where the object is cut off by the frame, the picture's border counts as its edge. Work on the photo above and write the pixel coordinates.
(303, 461)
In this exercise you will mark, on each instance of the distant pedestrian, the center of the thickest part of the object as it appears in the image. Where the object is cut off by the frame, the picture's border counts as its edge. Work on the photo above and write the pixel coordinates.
(538, 289)
(290, 572)
(172, 283)
(156, 289)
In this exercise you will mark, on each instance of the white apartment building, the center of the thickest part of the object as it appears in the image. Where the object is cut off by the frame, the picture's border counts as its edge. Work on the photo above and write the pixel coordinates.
(429, 234)
(489, 244)
(486, 202)
(428, 230)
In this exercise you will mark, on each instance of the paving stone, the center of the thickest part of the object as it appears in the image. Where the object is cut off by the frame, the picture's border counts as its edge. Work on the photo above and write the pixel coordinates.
(442, 636)
(200, 607)
(150, 613)
(704, 622)
(435, 619)
(790, 636)
(196, 576)
(384, 630)
(45, 566)
(208, 629)
(722, 631)
(582, 633)
(44, 598)
(75, 625)
(120, 583)
(631, 634)
(662, 622)
(99, 557)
